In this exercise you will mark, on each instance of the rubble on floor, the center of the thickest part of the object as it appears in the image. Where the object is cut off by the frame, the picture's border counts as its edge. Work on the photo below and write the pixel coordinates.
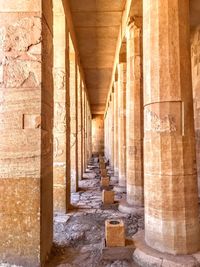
(78, 235)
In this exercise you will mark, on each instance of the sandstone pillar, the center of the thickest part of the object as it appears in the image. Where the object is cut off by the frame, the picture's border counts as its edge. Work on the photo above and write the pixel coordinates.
(90, 132)
(134, 119)
(73, 120)
(85, 135)
(83, 127)
(195, 53)
(108, 135)
(111, 124)
(26, 115)
(122, 126)
(79, 119)
(106, 153)
(61, 131)
(171, 198)
(116, 167)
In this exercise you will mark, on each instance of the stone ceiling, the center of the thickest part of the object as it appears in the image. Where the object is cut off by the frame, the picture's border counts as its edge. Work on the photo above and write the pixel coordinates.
(194, 12)
(97, 25)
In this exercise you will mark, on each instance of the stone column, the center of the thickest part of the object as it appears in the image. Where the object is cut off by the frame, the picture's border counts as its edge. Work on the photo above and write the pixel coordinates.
(88, 131)
(134, 120)
(79, 119)
(83, 126)
(171, 197)
(107, 132)
(26, 116)
(105, 135)
(110, 131)
(73, 120)
(61, 129)
(195, 55)
(111, 126)
(116, 167)
(85, 132)
(122, 123)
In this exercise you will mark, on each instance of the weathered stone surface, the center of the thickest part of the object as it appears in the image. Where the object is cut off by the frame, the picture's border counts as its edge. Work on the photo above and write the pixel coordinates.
(26, 135)
(61, 153)
(134, 119)
(108, 197)
(114, 233)
(145, 256)
(20, 35)
(105, 181)
(116, 137)
(118, 253)
(171, 211)
(195, 53)
(79, 121)
(122, 123)
(103, 172)
(20, 6)
(73, 121)
(97, 134)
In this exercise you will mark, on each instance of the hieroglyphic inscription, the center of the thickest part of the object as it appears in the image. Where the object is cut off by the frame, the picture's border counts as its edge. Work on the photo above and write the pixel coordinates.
(154, 123)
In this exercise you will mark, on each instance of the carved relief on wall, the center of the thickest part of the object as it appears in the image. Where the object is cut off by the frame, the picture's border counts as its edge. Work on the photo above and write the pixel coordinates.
(21, 34)
(57, 150)
(60, 117)
(155, 123)
(163, 117)
(59, 79)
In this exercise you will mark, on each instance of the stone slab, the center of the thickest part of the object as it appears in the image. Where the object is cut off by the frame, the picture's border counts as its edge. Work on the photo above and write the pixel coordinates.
(117, 253)
(113, 206)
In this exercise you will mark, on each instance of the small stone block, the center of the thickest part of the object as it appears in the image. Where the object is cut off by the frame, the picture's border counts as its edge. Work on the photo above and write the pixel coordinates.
(103, 172)
(108, 197)
(115, 233)
(102, 165)
(105, 181)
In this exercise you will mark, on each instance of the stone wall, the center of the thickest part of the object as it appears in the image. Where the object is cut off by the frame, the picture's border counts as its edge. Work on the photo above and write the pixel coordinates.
(26, 112)
(97, 134)
(195, 51)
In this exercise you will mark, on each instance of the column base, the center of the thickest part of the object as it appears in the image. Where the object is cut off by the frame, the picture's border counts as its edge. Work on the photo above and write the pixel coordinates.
(125, 207)
(146, 256)
(119, 189)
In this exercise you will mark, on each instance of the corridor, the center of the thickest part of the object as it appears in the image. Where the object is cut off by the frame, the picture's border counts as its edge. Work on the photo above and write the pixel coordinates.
(99, 133)
(79, 234)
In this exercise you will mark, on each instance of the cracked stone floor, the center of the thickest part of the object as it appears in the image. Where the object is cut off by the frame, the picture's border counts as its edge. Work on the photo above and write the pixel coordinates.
(78, 235)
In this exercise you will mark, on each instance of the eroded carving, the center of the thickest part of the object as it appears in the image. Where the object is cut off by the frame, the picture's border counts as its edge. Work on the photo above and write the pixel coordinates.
(21, 35)
(59, 79)
(57, 150)
(154, 123)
